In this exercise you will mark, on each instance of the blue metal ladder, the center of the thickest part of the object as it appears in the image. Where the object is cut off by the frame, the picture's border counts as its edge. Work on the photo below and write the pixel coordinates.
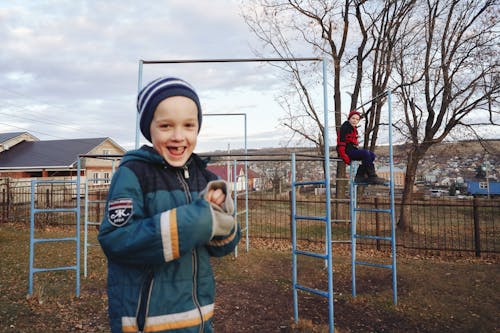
(354, 210)
(34, 241)
(326, 218)
(327, 257)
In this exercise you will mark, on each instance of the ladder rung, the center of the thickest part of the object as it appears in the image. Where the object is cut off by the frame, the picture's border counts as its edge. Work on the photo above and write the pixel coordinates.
(55, 210)
(340, 200)
(93, 223)
(54, 269)
(373, 237)
(311, 254)
(47, 240)
(312, 182)
(312, 290)
(372, 264)
(373, 210)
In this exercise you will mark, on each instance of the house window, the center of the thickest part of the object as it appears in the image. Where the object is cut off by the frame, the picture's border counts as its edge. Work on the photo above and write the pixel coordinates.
(483, 185)
(95, 177)
(106, 178)
(106, 151)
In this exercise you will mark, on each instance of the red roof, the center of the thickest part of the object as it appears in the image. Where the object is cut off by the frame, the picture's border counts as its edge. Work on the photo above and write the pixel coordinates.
(221, 170)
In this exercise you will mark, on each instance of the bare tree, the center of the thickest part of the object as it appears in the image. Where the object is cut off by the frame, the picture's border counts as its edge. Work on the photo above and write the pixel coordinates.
(358, 38)
(450, 53)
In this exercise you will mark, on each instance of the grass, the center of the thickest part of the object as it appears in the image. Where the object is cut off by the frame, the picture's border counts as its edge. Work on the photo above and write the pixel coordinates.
(434, 294)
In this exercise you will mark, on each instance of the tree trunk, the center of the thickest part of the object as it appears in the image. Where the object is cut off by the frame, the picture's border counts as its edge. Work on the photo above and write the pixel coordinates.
(414, 156)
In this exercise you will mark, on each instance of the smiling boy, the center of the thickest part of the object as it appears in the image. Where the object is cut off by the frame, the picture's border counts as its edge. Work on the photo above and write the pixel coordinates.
(166, 215)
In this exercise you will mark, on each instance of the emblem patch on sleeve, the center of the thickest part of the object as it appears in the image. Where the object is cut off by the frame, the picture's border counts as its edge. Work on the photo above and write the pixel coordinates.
(120, 211)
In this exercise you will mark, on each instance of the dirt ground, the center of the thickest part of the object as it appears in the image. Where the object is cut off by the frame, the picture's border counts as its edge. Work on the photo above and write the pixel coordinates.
(254, 292)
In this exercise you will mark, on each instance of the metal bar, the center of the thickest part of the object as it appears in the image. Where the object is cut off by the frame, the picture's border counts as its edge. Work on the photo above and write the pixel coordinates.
(363, 263)
(373, 210)
(393, 221)
(193, 61)
(328, 214)
(294, 243)
(313, 291)
(373, 237)
(65, 268)
(312, 182)
(312, 218)
(49, 240)
(311, 254)
(352, 214)
(138, 116)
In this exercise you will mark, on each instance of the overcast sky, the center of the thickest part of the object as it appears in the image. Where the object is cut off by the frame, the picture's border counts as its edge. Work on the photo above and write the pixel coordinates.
(69, 69)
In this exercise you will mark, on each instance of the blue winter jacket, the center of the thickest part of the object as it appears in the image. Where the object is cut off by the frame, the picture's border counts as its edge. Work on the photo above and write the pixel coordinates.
(156, 234)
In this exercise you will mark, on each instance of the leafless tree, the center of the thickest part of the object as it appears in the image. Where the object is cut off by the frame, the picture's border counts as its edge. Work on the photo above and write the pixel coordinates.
(357, 37)
(450, 54)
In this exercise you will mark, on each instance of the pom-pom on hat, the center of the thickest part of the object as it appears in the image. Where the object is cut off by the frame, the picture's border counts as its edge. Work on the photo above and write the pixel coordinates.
(158, 90)
(352, 113)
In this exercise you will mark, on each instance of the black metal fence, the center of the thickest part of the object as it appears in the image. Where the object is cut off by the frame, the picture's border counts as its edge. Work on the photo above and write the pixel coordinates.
(437, 226)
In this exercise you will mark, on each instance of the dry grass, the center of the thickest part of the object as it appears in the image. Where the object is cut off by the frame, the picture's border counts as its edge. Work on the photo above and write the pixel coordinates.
(254, 292)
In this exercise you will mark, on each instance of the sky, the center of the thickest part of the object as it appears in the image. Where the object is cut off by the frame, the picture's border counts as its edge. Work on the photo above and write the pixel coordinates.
(70, 69)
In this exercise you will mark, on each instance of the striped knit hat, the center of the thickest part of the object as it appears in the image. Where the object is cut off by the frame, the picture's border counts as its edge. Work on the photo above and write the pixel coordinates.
(158, 90)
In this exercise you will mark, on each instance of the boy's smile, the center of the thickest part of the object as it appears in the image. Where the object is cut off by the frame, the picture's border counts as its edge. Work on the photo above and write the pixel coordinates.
(174, 129)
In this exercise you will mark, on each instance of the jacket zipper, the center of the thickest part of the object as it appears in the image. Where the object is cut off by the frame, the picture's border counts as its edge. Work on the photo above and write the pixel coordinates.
(143, 309)
(193, 252)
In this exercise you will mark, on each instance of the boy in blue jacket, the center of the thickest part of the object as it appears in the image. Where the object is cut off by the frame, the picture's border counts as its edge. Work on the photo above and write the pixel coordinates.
(166, 215)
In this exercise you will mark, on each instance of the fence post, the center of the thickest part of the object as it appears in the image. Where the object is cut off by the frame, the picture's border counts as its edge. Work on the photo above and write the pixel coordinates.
(477, 237)
(291, 214)
(4, 206)
(377, 223)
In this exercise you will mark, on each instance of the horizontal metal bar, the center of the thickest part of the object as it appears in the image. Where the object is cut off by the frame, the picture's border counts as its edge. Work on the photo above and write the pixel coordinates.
(363, 263)
(312, 290)
(96, 201)
(373, 237)
(314, 218)
(311, 254)
(55, 210)
(93, 223)
(48, 240)
(373, 210)
(54, 269)
(54, 181)
(312, 182)
(190, 61)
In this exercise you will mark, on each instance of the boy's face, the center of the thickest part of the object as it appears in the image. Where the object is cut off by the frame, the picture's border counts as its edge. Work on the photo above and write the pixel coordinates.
(174, 129)
(354, 120)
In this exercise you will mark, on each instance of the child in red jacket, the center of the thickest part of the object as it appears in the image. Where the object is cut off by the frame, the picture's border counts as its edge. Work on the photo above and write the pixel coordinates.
(347, 147)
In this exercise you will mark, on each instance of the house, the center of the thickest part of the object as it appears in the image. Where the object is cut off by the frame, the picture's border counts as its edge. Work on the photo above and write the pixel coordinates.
(22, 155)
(478, 187)
(226, 172)
(398, 174)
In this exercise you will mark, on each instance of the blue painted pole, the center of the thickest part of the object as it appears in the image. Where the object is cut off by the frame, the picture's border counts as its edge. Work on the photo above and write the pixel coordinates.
(393, 221)
(352, 214)
(137, 117)
(294, 244)
(32, 236)
(78, 215)
(328, 200)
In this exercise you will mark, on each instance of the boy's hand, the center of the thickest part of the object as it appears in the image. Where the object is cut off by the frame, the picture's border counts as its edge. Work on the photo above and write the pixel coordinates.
(215, 196)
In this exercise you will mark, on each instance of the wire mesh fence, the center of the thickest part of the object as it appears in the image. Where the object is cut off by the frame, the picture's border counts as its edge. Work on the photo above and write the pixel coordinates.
(436, 226)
